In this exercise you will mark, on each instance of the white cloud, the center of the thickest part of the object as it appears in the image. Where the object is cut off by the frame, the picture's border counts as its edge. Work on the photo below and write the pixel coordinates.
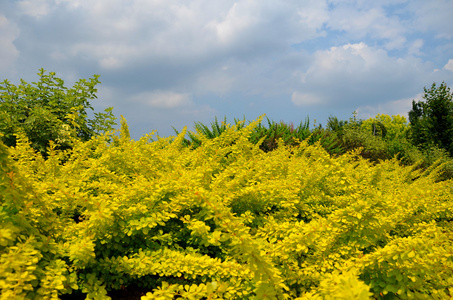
(414, 48)
(433, 16)
(186, 32)
(110, 62)
(236, 21)
(218, 81)
(8, 51)
(449, 65)
(154, 110)
(109, 55)
(163, 99)
(396, 107)
(73, 4)
(268, 24)
(313, 14)
(264, 76)
(304, 99)
(357, 74)
(34, 8)
(373, 22)
(348, 59)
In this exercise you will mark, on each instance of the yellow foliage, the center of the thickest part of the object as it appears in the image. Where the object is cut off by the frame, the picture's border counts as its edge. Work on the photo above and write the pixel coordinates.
(396, 126)
(222, 221)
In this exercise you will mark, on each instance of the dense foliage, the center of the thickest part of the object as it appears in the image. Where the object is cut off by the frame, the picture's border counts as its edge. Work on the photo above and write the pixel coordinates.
(267, 136)
(49, 111)
(223, 220)
(381, 138)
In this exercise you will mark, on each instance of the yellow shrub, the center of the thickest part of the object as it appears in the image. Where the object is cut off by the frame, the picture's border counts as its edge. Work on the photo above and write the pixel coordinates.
(226, 220)
(395, 126)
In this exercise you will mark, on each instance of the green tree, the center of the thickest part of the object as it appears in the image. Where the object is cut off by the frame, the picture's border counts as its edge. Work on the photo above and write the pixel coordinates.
(431, 120)
(48, 111)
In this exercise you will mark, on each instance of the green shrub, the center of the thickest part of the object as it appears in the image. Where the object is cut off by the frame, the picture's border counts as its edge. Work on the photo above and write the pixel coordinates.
(288, 133)
(373, 148)
(49, 111)
(268, 136)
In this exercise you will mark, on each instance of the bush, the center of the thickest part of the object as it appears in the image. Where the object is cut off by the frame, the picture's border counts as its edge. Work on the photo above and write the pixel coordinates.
(371, 147)
(225, 220)
(48, 111)
(269, 136)
(389, 128)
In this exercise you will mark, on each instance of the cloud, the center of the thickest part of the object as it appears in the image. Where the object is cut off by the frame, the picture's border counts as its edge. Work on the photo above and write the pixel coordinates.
(371, 22)
(264, 27)
(218, 48)
(34, 8)
(163, 99)
(314, 14)
(396, 107)
(365, 74)
(303, 99)
(154, 110)
(8, 51)
(449, 65)
(217, 80)
(118, 35)
(433, 16)
(415, 47)
(261, 76)
(236, 21)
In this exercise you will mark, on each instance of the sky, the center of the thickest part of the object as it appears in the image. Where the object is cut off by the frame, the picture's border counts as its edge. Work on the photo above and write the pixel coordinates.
(165, 64)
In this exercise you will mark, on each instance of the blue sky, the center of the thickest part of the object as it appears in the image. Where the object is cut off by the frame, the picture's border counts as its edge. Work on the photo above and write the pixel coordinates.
(170, 63)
